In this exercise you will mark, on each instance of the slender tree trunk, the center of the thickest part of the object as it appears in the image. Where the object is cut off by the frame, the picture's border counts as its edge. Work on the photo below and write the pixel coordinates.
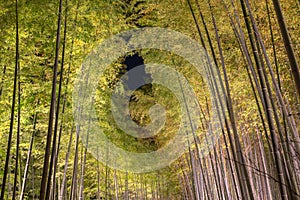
(11, 126)
(18, 136)
(55, 149)
(28, 158)
(43, 188)
(288, 44)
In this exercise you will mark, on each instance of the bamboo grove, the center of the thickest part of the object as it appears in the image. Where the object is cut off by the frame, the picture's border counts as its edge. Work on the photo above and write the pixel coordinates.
(255, 48)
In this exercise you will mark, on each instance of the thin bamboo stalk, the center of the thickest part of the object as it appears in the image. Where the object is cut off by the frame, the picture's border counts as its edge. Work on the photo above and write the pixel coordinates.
(11, 125)
(43, 189)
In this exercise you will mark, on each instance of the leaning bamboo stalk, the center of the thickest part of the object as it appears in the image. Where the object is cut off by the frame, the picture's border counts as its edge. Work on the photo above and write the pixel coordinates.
(288, 44)
(29, 152)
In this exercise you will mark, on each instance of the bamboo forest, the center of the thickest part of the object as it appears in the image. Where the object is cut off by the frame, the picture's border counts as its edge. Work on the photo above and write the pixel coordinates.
(150, 99)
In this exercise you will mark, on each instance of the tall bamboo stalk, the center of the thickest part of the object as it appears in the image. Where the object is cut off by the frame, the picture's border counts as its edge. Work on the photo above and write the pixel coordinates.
(11, 125)
(55, 148)
(18, 136)
(288, 44)
(43, 188)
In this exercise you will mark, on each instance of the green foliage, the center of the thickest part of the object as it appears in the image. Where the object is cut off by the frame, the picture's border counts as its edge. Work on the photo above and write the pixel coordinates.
(89, 23)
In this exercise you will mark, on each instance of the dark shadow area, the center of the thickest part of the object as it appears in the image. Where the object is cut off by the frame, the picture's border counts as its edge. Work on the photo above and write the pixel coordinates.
(140, 76)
